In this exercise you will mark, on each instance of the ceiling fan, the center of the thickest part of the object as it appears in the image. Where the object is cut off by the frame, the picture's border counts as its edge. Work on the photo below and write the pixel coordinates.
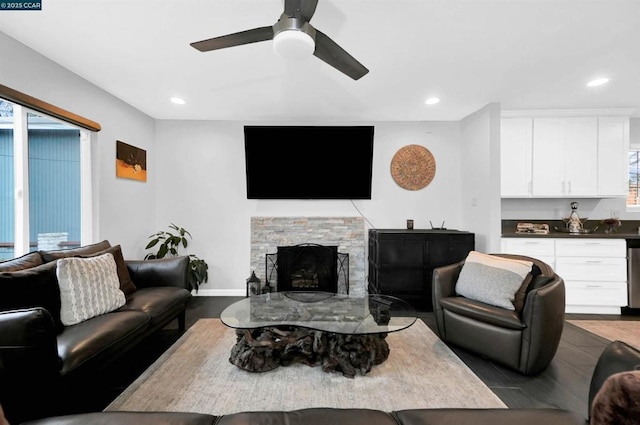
(293, 30)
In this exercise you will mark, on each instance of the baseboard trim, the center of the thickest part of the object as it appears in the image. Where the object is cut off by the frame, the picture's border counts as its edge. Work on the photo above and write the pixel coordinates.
(592, 309)
(219, 293)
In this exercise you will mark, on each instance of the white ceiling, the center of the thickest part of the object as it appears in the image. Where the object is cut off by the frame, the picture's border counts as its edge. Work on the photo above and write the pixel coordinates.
(524, 54)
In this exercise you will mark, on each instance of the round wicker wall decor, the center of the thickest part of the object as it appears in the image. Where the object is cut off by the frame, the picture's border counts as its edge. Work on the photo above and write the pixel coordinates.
(413, 167)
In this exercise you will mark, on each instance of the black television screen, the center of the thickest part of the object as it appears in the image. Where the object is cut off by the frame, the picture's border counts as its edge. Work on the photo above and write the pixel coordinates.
(308, 162)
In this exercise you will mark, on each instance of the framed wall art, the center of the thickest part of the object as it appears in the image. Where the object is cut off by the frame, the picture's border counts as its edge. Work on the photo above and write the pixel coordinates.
(131, 162)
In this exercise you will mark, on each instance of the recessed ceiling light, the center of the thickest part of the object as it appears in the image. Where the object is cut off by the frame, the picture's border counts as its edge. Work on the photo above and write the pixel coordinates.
(432, 101)
(597, 82)
(178, 101)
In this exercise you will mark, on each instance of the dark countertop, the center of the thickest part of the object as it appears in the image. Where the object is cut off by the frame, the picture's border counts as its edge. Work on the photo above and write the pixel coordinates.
(553, 234)
(628, 230)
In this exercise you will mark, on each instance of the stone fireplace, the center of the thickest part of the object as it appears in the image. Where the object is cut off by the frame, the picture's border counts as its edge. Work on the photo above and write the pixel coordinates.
(344, 234)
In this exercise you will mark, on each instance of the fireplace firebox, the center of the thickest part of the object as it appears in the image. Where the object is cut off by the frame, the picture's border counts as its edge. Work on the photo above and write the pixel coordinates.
(308, 267)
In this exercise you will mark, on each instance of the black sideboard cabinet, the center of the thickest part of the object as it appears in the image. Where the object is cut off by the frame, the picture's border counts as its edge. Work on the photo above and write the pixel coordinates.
(401, 262)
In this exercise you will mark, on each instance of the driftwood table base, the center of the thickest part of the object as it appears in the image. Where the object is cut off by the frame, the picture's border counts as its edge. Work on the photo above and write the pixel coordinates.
(264, 349)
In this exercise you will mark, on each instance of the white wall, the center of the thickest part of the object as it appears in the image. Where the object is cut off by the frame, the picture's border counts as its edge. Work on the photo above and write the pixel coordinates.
(480, 192)
(202, 188)
(122, 208)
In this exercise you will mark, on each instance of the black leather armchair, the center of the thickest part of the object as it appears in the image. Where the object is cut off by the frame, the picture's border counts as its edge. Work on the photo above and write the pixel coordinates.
(526, 342)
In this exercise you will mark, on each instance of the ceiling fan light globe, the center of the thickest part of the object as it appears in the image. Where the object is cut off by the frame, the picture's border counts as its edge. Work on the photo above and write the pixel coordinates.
(293, 44)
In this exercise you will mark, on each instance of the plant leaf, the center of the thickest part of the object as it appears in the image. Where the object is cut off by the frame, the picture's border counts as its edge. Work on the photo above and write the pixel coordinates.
(152, 243)
(175, 240)
(162, 251)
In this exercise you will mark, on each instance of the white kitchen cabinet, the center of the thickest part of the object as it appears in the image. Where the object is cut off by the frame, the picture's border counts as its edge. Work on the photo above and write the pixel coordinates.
(541, 248)
(613, 162)
(516, 149)
(594, 269)
(595, 297)
(590, 247)
(565, 157)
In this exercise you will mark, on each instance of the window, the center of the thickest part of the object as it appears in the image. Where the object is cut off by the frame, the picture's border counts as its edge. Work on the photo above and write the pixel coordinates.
(45, 181)
(6, 181)
(634, 178)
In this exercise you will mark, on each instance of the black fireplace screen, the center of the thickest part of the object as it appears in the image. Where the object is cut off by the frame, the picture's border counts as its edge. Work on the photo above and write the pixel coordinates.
(308, 267)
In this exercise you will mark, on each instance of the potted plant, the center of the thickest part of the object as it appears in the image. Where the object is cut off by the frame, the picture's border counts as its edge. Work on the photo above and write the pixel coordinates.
(168, 244)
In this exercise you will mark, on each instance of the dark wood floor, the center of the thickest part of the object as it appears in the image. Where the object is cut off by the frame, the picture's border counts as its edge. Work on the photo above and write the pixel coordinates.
(565, 384)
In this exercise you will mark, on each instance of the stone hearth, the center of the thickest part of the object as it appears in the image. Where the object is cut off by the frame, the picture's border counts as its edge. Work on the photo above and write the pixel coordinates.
(347, 233)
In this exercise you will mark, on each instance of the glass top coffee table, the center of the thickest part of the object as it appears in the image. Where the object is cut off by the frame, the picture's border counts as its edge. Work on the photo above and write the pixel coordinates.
(341, 333)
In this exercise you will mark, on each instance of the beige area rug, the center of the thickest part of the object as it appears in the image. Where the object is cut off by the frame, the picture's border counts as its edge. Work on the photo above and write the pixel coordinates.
(614, 330)
(195, 375)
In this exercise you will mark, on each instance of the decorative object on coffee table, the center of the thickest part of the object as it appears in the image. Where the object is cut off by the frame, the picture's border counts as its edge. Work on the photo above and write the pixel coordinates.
(169, 247)
(413, 167)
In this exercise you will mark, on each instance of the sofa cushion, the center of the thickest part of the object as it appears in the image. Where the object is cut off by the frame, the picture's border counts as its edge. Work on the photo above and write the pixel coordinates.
(129, 418)
(34, 287)
(48, 256)
(493, 280)
(162, 303)
(126, 284)
(483, 312)
(89, 287)
(94, 343)
(31, 259)
(311, 416)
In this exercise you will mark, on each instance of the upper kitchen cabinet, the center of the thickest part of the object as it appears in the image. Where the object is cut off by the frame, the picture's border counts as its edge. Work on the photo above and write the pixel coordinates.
(613, 159)
(516, 149)
(564, 156)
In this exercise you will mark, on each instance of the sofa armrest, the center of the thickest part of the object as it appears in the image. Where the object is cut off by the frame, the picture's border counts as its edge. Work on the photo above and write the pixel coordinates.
(444, 281)
(443, 284)
(29, 361)
(28, 344)
(171, 271)
(543, 315)
(617, 357)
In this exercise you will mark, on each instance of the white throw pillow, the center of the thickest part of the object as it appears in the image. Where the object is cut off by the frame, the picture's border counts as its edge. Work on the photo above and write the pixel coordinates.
(491, 279)
(89, 287)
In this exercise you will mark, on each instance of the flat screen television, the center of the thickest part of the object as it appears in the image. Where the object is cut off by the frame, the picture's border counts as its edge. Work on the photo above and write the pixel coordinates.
(308, 162)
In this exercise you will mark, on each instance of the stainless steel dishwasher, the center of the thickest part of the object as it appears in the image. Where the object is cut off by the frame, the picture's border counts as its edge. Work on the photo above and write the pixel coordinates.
(633, 272)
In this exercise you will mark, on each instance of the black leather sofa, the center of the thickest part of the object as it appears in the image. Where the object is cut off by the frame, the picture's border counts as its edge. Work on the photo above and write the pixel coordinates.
(44, 364)
(617, 357)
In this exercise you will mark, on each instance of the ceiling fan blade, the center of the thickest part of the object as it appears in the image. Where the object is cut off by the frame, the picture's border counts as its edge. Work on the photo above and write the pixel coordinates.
(235, 39)
(300, 8)
(337, 57)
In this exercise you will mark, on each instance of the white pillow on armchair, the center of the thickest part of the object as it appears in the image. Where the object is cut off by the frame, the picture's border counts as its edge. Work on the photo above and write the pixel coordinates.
(491, 279)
